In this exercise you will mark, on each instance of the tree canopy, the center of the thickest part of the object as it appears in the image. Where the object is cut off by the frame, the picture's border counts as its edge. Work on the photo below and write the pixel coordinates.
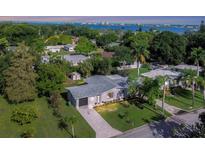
(85, 46)
(20, 78)
(168, 48)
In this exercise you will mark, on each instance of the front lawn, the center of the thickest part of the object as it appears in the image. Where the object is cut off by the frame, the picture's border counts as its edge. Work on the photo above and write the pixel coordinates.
(124, 116)
(46, 125)
(182, 98)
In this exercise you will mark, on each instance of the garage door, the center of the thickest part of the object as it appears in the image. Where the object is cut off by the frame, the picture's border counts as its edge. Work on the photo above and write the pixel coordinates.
(83, 101)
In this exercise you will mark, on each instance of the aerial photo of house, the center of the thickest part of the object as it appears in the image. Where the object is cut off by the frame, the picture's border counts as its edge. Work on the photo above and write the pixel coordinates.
(102, 77)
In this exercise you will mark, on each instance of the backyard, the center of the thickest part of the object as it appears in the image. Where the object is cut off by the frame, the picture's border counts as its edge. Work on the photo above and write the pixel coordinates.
(182, 98)
(46, 125)
(126, 115)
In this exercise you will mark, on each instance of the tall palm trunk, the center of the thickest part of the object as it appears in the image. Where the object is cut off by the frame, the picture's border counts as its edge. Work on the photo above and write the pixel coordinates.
(138, 68)
(193, 93)
(163, 98)
(73, 130)
(197, 68)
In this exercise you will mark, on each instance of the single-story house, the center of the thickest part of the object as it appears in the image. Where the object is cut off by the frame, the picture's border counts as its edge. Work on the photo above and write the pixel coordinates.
(98, 90)
(69, 47)
(75, 59)
(75, 76)
(125, 66)
(185, 66)
(55, 48)
(172, 75)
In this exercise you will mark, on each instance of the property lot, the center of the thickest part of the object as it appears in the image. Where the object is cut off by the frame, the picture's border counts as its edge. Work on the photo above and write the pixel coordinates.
(126, 115)
(46, 125)
(182, 98)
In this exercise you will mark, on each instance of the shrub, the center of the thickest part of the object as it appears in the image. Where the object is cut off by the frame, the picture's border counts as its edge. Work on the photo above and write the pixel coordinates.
(121, 115)
(23, 115)
(54, 99)
(57, 113)
(28, 133)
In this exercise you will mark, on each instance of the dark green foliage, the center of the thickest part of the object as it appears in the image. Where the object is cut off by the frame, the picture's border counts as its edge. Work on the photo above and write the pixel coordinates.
(84, 31)
(29, 133)
(51, 78)
(122, 53)
(3, 45)
(106, 39)
(59, 40)
(23, 115)
(85, 46)
(4, 64)
(168, 48)
(101, 65)
(55, 99)
(86, 68)
(20, 78)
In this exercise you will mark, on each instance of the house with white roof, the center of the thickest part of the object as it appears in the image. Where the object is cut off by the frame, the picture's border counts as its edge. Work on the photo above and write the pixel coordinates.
(99, 89)
(53, 49)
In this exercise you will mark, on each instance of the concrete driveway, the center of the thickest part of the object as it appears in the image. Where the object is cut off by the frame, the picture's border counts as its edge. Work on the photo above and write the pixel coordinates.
(101, 127)
(162, 128)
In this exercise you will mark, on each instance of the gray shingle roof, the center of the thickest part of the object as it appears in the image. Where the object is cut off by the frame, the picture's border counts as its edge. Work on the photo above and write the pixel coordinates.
(95, 86)
(75, 58)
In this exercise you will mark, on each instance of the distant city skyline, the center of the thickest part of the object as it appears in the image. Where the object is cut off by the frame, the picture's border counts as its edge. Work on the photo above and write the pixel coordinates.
(195, 20)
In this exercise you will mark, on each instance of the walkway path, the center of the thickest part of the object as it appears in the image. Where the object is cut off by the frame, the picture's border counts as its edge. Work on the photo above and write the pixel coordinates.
(169, 108)
(101, 127)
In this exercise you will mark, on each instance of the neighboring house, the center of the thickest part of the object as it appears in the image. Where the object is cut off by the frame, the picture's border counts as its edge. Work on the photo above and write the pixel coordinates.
(125, 66)
(69, 47)
(75, 76)
(56, 48)
(98, 90)
(75, 59)
(172, 75)
(106, 54)
(185, 66)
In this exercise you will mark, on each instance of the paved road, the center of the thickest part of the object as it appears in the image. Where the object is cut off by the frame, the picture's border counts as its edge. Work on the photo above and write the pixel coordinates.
(101, 127)
(162, 128)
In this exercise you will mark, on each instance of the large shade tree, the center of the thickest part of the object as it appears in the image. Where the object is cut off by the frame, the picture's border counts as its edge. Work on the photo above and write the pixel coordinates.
(20, 77)
(198, 55)
(168, 48)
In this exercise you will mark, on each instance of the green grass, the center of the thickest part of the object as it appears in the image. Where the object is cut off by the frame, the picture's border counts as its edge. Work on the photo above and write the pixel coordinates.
(182, 98)
(138, 117)
(70, 83)
(46, 125)
(132, 73)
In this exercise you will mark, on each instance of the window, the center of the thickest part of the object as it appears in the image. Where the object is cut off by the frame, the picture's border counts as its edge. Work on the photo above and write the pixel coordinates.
(110, 95)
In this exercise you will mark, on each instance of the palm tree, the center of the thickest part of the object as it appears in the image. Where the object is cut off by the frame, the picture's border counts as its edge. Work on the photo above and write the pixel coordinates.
(198, 54)
(190, 76)
(72, 120)
(201, 82)
(140, 54)
(163, 80)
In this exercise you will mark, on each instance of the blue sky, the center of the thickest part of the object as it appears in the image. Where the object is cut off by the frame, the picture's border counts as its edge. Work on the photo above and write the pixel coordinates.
(121, 19)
